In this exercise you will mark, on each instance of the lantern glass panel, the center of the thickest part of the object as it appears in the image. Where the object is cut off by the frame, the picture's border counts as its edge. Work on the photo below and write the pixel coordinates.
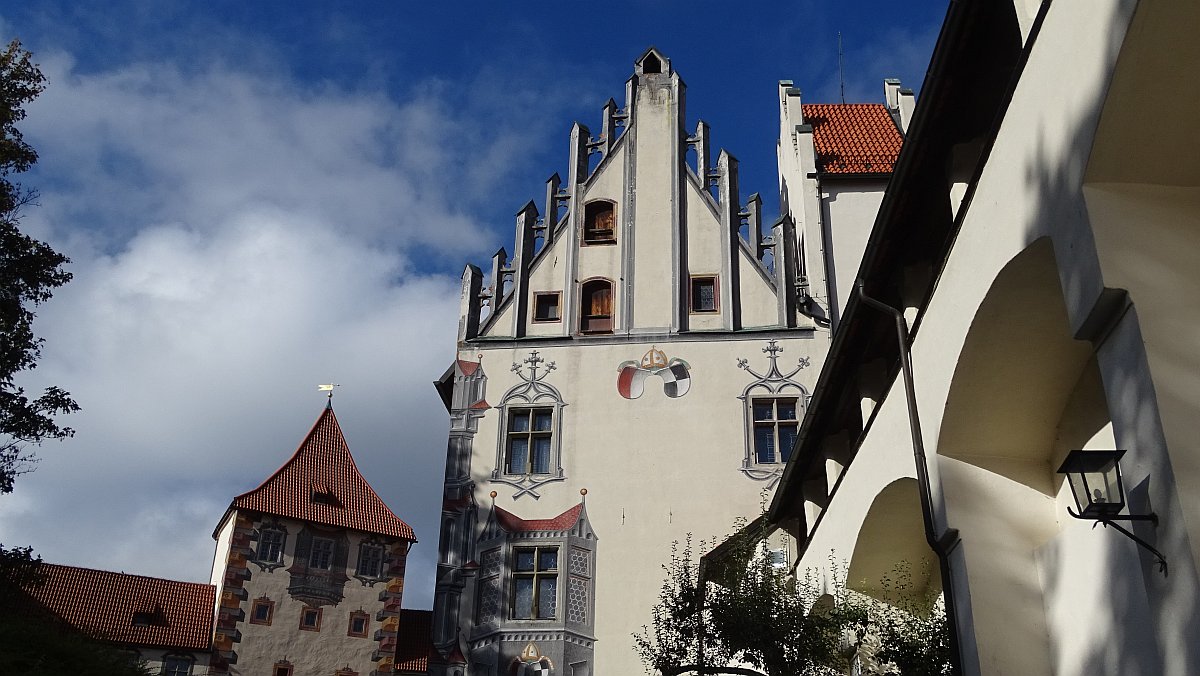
(1095, 478)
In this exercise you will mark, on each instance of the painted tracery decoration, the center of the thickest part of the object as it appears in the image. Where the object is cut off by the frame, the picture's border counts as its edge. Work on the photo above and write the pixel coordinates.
(528, 450)
(773, 405)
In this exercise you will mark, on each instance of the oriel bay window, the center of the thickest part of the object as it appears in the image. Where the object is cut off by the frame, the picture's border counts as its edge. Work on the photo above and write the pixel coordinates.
(535, 583)
(775, 427)
(529, 439)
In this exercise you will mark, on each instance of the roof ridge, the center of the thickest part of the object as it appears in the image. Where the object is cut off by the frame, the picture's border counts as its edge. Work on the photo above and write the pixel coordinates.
(122, 573)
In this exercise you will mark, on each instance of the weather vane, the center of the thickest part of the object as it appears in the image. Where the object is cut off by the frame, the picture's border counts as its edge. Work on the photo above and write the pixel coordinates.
(328, 387)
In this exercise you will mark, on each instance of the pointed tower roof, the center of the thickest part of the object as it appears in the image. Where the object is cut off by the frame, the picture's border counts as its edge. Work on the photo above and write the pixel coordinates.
(321, 484)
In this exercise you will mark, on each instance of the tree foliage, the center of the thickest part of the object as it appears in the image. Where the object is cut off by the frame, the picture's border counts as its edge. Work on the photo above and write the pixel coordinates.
(744, 613)
(30, 270)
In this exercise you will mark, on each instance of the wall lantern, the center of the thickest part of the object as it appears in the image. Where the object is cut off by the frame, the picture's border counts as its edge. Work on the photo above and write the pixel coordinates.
(1099, 491)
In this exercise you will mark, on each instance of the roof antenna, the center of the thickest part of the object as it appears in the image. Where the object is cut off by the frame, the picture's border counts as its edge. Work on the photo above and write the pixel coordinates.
(328, 387)
(841, 74)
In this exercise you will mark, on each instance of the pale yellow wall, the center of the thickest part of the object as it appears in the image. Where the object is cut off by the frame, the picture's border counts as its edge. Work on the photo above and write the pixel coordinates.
(654, 166)
(655, 468)
(759, 307)
(849, 214)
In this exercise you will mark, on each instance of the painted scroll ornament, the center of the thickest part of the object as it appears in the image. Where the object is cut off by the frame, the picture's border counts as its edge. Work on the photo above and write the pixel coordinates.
(675, 374)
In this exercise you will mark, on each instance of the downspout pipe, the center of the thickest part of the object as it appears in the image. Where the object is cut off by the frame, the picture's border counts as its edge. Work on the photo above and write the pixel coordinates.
(942, 546)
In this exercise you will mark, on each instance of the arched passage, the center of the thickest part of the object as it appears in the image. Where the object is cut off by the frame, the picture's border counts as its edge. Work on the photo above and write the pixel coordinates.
(891, 560)
(1023, 393)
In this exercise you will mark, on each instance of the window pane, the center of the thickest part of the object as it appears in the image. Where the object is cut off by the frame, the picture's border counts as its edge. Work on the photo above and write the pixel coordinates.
(762, 410)
(764, 443)
(523, 597)
(547, 597)
(542, 418)
(519, 422)
(548, 559)
(786, 409)
(261, 611)
(704, 295)
(787, 438)
(322, 553)
(518, 455)
(541, 456)
(523, 560)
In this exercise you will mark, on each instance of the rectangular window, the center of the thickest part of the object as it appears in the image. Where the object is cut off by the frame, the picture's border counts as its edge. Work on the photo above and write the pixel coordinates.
(359, 622)
(310, 619)
(321, 556)
(599, 223)
(535, 583)
(775, 427)
(177, 666)
(270, 544)
(283, 669)
(546, 307)
(370, 560)
(527, 448)
(704, 294)
(261, 611)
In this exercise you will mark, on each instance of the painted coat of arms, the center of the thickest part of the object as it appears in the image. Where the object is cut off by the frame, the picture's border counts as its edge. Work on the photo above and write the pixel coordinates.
(675, 374)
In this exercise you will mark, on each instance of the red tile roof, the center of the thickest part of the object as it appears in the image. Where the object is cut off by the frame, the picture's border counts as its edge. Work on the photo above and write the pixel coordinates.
(415, 641)
(102, 603)
(467, 367)
(853, 138)
(323, 464)
(515, 524)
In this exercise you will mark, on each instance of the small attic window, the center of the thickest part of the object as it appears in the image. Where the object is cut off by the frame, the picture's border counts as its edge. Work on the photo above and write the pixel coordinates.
(149, 616)
(324, 495)
(651, 64)
(599, 223)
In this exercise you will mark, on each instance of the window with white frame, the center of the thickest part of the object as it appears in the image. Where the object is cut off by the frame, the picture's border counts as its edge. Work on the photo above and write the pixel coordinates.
(529, 440)
(177, 665)
(370, 559)
(534, 583)
(776, 423)
(271, 540)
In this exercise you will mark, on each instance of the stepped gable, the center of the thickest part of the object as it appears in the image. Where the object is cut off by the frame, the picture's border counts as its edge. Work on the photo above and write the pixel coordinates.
(515, 524)
(853, 138)
(129, 609)
(321, 484)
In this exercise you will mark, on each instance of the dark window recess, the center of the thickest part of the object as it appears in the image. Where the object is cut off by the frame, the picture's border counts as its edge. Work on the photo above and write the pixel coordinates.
(651, 64)
(324, 495)
(704, 294)
(775, 427)
(596, 307)
(535, 583)
(370, 560)
(310, 619)
(599, 223)
(321, 555)
(270, 544)
(545, 307)
(358, 625)
(261, 611)
(530, 435)
(283, 669)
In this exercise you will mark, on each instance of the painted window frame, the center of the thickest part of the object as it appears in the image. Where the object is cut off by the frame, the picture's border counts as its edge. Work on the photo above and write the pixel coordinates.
(716, 291)
(262, 602)
(321, 558)
(381, 562)
(557, 319)
(282, 668)
(537, 575)
(304, 613)
(585, 301)
(529, 433)
(532, 392)
(587, 235)
(359, 615)
(775, 423)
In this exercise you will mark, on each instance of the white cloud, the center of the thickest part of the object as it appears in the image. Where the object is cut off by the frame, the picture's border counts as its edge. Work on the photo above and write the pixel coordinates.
(238, 238)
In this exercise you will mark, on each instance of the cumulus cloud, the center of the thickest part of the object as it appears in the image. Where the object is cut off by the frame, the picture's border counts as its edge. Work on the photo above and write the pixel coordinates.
(237, 238)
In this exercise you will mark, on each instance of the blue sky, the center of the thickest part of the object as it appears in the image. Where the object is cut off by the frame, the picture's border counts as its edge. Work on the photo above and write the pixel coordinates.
(262, 196)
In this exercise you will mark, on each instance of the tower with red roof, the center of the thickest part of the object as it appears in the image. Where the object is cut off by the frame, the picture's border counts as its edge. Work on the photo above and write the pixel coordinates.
(309, 569)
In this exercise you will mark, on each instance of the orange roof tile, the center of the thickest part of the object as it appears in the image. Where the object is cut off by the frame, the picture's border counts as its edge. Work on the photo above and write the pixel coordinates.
(323, 464)
(853, 138)
(415, 641)
(514, 524)
(102, 603)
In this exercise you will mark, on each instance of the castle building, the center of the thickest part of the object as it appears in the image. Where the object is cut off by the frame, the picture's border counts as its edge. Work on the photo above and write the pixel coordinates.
(1039, 241)
(309, 569)
(637, 370)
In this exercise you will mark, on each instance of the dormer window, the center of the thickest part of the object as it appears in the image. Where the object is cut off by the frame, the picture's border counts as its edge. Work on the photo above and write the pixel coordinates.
(599, 223)
(322, 494)
(595, 311)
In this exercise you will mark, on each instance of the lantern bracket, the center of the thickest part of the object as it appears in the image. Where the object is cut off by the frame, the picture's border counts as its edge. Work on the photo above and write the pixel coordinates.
(1107, 521)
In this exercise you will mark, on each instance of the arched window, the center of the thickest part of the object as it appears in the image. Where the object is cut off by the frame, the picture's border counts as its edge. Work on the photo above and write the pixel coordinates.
(599, 223)
(595, 307)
